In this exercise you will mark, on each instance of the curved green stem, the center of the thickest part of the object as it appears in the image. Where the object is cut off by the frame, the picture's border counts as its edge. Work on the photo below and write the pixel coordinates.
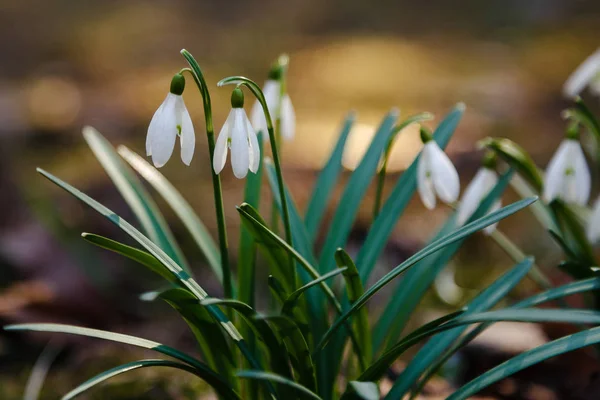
(386, 155)
(253, 87)
(218, 192)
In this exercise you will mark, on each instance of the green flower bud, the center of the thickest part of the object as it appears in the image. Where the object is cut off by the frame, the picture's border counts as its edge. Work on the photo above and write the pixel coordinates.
(237, 98)
(489, 160)
(275, 72)
(425, 135)
(177, 84)
(572, 130)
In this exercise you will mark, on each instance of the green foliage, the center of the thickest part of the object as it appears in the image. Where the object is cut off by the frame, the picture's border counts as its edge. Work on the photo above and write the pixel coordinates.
(317, 331)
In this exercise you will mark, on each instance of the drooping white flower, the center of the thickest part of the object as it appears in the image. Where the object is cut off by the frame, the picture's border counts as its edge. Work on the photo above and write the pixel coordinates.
(238, 135)
(279, 107)
(484, 181)
(436, 174)
(172, 119)
(587, 74)
(567, 176)
(593, 226)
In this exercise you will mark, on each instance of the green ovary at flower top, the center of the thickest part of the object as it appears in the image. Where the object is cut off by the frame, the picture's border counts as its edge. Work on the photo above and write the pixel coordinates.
(238, 135)
(170, 120)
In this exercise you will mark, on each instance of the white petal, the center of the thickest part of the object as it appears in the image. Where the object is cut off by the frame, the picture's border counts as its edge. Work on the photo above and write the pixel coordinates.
(555, 172)
(583, 180)
(258, 118)
(240, 161)
(491, 228)
(288, 118)
(220, 154)
(253, 147)
(154, 127)
(593, 228)
(582, 76)
(188, 137)
(424, 181)
(272, 93)
(162, 139)
(444, 175)
(479, 187)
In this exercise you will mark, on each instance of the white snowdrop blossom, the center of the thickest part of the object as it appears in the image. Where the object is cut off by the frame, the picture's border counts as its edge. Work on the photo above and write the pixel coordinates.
(593, 227)
(436, 175)
(172, 119)
(238, 135)
(568, 176)
(586, 75)
(484, 181)
(279, 107)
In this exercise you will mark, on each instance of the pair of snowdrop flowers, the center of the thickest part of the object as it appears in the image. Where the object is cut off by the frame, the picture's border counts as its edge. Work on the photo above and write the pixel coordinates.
(172, 120)
(437, 176)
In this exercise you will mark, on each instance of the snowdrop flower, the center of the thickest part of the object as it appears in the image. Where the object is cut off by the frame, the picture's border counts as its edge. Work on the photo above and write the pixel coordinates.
(484, 181)
(238, 135)
(169, 121)
(436, 174)
(593, 228)
(567, 176)
(279, 107)
(587, 74)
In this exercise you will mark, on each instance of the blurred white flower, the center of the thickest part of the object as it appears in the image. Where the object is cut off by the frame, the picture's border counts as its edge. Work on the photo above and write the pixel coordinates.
(567, 176)
(239, 135)
(172, 119)
(587, 74)
(484, 181)
(287, 115)
(436, 175)
(593, 226)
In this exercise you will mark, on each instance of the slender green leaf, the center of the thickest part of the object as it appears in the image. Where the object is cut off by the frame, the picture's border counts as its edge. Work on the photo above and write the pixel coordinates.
(452, 237)
(292, 299)
(302, 391)
(354, 289)
(539, 209)
(361, 391)
(39, 372)
(140, 256)
(434, 348)
(326, 182)
(121, 369)
(297, 347)
(161, 256)
(208, 333)
(208, 374)
(573, 233)
(136, 196)
(180, 206)
(527, 359)
(355, 190)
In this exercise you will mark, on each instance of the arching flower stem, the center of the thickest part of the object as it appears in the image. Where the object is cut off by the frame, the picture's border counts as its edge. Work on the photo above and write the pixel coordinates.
(255, 89)
(196, 73)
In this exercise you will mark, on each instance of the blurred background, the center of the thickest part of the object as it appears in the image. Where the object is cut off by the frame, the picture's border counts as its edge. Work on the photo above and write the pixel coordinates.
(66, 64)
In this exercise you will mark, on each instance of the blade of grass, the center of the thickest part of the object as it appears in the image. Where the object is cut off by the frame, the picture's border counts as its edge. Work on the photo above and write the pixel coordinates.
(302, 391)
(326, 182)
(354, 289)
(211, 377)
(35, 382)
(136, 196)
(121, 369)
(526, 359)
(140, 256)
(452, 237)
(179, 205)
(292, 299)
